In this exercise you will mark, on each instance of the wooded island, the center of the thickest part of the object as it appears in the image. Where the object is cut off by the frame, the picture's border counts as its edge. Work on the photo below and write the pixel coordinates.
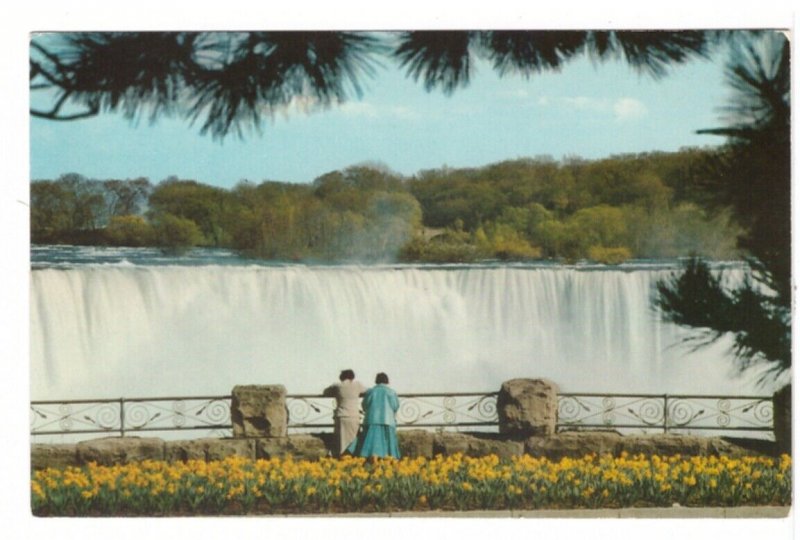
(608, 210)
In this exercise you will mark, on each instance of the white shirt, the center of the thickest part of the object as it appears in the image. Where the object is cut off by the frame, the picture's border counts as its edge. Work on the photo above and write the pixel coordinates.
(347, 394)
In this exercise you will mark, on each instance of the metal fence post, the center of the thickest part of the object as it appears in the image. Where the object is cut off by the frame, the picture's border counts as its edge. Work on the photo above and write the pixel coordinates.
(122, 417)
(666, 412)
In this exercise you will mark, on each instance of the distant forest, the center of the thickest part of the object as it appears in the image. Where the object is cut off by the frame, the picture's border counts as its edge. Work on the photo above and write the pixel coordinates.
(608, 210)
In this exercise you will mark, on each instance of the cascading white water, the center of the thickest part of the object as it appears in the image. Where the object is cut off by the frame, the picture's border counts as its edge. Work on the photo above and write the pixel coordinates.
(104, 331)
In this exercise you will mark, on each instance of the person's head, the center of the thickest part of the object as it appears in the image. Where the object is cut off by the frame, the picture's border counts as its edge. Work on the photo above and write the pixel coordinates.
(381, 378)
(347, 375)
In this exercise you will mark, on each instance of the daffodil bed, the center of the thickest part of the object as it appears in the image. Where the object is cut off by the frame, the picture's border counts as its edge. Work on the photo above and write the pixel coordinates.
(276, 486)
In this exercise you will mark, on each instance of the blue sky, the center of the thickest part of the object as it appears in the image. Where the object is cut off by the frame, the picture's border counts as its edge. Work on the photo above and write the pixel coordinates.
(587, 110)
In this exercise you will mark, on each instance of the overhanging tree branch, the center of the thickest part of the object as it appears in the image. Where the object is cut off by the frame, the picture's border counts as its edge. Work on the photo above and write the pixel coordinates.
(54, 113)
(751, 175)
(234, 79)
(54, 116)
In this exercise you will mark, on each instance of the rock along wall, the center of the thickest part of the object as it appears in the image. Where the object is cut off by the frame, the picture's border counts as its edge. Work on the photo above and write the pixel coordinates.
(413, 443)
(259, 411)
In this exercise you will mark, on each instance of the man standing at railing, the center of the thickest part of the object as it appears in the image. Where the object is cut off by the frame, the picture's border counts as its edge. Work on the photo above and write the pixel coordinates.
(346, 416)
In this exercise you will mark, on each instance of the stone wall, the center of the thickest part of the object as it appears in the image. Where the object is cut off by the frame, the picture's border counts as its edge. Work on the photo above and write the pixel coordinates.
(413, 443)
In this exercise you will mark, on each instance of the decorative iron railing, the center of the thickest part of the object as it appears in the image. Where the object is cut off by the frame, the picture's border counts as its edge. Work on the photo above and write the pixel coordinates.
(638, 412)
(665, 413)
(416, 410)
(212, 413)
(125, 415)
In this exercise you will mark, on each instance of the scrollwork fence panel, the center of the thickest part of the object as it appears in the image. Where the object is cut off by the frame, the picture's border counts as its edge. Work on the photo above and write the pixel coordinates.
(666, 413)
(124, 416)
(448, 410)
(602, 410)
(170, 414)
(720, 412)
(310, 411)
(84, 416)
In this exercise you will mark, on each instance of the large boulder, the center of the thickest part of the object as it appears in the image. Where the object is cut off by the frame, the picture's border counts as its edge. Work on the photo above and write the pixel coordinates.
(297, 446)
(527, 407)
(208, 449)
(114, 450)
(474, 446)
(259, 411)
(53, 455)
(415, 443)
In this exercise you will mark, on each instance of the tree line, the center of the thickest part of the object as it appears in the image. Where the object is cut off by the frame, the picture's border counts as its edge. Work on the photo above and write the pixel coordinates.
(608, 210)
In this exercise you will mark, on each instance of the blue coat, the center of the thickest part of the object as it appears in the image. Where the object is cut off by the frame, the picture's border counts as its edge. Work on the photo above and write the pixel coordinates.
(380, 404)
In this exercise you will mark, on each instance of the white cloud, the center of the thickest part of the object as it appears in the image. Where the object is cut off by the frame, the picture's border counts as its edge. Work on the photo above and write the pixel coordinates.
(368, 110)
(361, 109)
(623, 109)
(403, 113)
(357, 108)
(303, 103)
(516, 93)
(585, 103)
(629, 109)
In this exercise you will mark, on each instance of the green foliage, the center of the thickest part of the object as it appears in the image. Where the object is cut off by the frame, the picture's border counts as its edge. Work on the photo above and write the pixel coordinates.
(509, 244)
(449, 247)
(600, 225)
(607, 210)
(175, 232)
(642, 202)
(443, 202)
(70, 203)
(50, 210)
(202, 204)
(126, 197)
(596, 228)
(558, 240)
(73, 206)
(129, 230)
(524, 219)
(609, 255)
(357, 214)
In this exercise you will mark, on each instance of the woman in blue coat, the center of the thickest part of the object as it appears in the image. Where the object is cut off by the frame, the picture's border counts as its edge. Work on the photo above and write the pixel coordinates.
(378, 437)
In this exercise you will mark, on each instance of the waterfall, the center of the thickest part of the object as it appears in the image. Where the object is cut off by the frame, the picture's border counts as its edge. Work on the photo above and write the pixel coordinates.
(105, 331)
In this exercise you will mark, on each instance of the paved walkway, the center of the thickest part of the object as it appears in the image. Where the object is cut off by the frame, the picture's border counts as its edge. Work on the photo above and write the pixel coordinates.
(681, 512)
